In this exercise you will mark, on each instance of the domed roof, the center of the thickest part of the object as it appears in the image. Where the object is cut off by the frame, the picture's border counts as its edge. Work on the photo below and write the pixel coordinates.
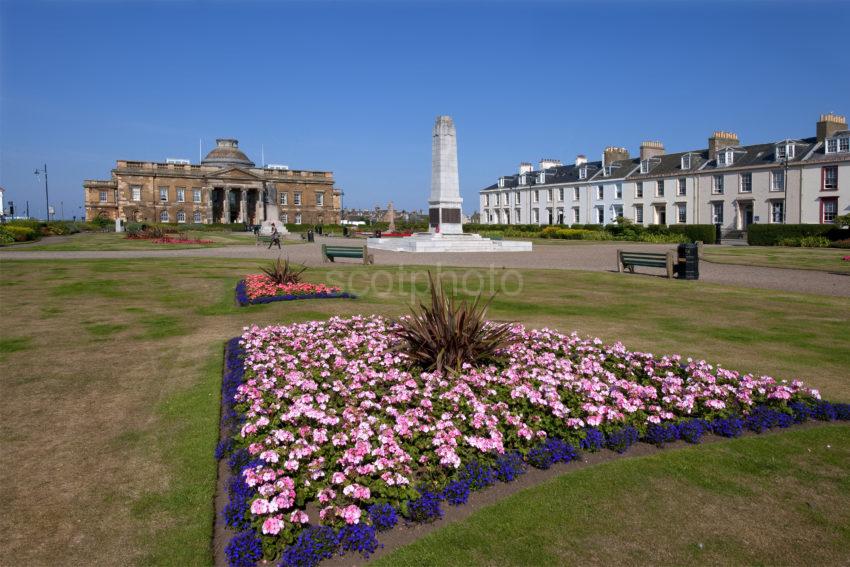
(227, 152)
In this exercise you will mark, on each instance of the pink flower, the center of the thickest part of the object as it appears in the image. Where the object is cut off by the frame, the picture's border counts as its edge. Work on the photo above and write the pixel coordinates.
(272, 525)
(351, 514)
(260, 506)
(299, 517)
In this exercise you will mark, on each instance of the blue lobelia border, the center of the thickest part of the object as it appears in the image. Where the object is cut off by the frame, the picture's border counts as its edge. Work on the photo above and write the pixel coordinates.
(243, 300)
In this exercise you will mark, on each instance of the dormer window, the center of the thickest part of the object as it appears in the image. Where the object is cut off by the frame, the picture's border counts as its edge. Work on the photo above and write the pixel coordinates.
(541, 177)
(725, 157)
(686, 161)
(582, 173)
(522, 179)
(784, 151)
(501, 182)
(644, 166)
(836, 145)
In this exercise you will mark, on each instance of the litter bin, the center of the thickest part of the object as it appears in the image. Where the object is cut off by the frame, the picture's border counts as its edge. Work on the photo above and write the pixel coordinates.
(717, 233)
(687, 267)
(377, 234)
(310, 236)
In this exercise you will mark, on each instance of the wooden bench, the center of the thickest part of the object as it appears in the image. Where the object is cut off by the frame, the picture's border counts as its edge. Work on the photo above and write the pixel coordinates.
(332, 251)
(629, 259)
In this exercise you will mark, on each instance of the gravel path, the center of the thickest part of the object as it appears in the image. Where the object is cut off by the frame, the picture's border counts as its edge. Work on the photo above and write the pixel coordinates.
(593, 257)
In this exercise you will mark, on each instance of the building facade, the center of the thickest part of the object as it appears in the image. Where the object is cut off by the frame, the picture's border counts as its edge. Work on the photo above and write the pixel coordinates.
(803, 180)
(226, 187)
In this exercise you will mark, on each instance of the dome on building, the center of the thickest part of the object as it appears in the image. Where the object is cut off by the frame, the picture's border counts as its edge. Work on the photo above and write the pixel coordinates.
(227, 152)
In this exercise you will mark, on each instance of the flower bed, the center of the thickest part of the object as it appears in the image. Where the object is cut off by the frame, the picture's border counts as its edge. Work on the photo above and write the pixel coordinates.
(259, 288)
(328, 414)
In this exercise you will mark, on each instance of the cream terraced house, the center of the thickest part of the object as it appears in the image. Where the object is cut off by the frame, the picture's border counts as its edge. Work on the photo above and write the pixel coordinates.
(787, 181)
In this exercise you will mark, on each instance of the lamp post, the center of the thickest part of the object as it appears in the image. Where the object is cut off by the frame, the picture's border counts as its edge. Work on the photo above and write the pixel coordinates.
(46, 194)
(785, 187)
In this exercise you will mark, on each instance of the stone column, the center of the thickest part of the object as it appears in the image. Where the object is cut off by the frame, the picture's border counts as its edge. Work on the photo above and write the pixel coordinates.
(444, 214)
(225, 205)
(243, 205)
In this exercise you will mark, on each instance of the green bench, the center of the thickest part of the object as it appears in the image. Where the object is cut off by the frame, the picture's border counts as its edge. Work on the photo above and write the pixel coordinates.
(329, 252)
(628, 260)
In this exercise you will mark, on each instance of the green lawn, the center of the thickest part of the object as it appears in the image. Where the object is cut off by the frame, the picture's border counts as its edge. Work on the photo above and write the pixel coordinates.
(111, 372)
(824, 259)
(110, 241)
(779, 499)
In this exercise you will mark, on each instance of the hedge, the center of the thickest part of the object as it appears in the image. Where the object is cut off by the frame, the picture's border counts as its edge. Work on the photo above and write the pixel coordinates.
(695, 232)
(771, 234)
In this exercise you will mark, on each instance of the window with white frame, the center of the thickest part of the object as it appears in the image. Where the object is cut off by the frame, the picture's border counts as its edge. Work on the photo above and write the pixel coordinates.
(659, 188)
(784, 150)
(777, 211)
(522, 179)
(196, 216)
(686, 161)
(644, 166)
(618, 191)
(682, 187)
(541, 177)
(535, 216)
(536, 195)
(717, 184)
(576, 193)
(844, 144)
(725, 158)
(616, 212)
(777, 180)
(181, 194)
(548, 195)
(196, 195)
(582, 172)
(297, 218)
(830, 210)
(501, 182)
(639, 214)
(717, 213)
(832, 145)
(163, 194)
(296, 199)
(560, 193)
(163, 216)
(103, 196)
(746, 183)
(516, 198)
(284, 198)
(136, 190)
(284, 218)
(639, 190)
(830, 177)
(600, 192)
(600, 215)
(320, 199)
(576, 215)
(181, 216)
(681, 213)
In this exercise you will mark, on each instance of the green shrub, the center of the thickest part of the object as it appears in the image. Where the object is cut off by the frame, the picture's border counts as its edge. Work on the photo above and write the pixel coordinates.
(840, 243)
(20, 233)
(5, 236)
(788, 242)
(596, 235)
(771, 234)
(814, 242)
(562, 233)
(661, 238)
(596, 227)
(695, 232)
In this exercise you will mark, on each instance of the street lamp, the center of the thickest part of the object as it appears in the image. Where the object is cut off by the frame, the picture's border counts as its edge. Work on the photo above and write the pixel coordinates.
(46, 194)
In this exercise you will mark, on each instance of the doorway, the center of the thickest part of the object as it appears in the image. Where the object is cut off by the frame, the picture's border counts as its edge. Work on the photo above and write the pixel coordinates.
(746, 216)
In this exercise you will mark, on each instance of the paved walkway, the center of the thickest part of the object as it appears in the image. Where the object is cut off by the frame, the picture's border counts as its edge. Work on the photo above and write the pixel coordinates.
(592, 257)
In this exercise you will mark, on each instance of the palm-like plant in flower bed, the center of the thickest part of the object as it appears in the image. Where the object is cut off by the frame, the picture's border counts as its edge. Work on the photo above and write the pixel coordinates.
(448, 333)
(284, 273)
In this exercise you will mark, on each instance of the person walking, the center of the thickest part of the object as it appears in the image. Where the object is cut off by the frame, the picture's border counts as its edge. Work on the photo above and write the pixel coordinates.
(275, 237)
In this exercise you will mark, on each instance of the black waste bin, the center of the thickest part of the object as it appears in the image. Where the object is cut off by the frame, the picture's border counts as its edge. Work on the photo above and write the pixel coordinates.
(688, 265)
(345, 231)
(310, 236)
(377, 234)
(717, 233)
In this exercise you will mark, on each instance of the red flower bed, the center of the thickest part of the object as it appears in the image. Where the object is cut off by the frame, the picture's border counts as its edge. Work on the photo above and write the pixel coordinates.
(261, 285)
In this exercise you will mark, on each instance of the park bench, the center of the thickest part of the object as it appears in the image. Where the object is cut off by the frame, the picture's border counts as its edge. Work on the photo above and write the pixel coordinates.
(329, 252)
(628, 260)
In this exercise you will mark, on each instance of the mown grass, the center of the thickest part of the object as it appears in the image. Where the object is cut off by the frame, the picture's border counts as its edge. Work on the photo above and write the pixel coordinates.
(111, 374)
(773, 500)
(111, 241)
(822, 259)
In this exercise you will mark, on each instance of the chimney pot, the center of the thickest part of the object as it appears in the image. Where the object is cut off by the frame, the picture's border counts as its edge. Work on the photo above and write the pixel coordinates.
(650, 149)
(829, 124)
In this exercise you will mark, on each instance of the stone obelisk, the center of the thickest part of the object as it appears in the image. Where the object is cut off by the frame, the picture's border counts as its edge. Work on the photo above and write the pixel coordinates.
(444, 206)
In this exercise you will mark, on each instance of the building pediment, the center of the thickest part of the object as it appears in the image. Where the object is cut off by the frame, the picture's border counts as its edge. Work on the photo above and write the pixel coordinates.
(235, 174)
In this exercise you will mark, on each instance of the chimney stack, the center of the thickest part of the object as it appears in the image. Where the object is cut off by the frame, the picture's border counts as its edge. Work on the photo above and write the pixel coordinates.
(546, 163)
(581, 159)
(613, 153)
(719, 140)
(650, 149)
(829, 124)
(525, 167)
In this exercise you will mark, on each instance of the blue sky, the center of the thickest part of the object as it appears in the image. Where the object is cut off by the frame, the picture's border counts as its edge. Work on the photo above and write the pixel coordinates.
(354, 87)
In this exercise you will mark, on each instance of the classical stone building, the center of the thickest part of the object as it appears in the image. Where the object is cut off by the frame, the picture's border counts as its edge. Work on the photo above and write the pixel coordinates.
(226, 187)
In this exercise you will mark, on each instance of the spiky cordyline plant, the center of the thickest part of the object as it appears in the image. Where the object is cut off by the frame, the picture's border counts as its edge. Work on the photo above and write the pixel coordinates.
(283, 273)
(448, 333)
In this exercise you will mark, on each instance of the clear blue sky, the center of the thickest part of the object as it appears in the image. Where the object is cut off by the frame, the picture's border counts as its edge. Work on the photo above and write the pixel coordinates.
(354, 87)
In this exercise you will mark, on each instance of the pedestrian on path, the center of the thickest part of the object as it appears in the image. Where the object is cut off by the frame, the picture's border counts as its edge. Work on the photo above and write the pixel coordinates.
(275, 237)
